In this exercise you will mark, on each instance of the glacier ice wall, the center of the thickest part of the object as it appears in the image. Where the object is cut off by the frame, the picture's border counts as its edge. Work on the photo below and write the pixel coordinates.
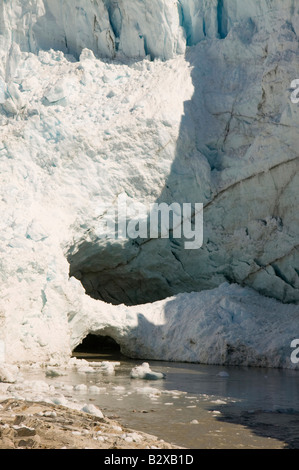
(236, 152)
(103, 26)
(86, 114)
(160, 28)
(220, 329)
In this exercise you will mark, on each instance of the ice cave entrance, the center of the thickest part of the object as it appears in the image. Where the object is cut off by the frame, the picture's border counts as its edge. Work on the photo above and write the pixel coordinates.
(97, 345)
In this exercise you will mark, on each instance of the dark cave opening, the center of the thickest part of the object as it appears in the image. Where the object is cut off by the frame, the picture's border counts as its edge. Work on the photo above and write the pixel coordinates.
(96, 344)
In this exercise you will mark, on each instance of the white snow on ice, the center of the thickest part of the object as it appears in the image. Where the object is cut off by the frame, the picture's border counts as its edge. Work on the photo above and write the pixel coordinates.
(109, 98)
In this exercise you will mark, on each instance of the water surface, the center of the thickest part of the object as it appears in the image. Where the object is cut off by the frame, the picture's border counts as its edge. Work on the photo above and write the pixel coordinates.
(198, 406)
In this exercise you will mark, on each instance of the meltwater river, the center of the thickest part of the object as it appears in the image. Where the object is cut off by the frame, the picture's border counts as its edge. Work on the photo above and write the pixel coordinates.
(198, 406)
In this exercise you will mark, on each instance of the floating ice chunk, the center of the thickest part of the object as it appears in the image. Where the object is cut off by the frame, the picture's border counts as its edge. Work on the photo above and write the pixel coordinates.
(8, 373)
(144, 372)
(119, 388)
(67, 388)
(16, 387)
(81, 365)
(74, 362)
(36, 386)
(149, 391)
(54, 373)
(194, 421)
(86, 370)
(174, 393)
(58, 385)
(219, 402)
(95, 389)
(80, 388)
(54, 363)
(93, 410)
(108, 367)
(94, 363)
(223, 374)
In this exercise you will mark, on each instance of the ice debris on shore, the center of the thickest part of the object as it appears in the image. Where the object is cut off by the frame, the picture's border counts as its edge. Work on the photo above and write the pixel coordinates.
(8, 373)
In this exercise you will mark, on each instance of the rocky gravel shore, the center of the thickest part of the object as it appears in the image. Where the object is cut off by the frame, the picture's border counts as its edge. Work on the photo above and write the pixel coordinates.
(40, 425)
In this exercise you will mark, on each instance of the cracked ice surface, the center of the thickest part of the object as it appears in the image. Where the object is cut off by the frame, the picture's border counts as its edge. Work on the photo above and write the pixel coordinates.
(86, 114)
